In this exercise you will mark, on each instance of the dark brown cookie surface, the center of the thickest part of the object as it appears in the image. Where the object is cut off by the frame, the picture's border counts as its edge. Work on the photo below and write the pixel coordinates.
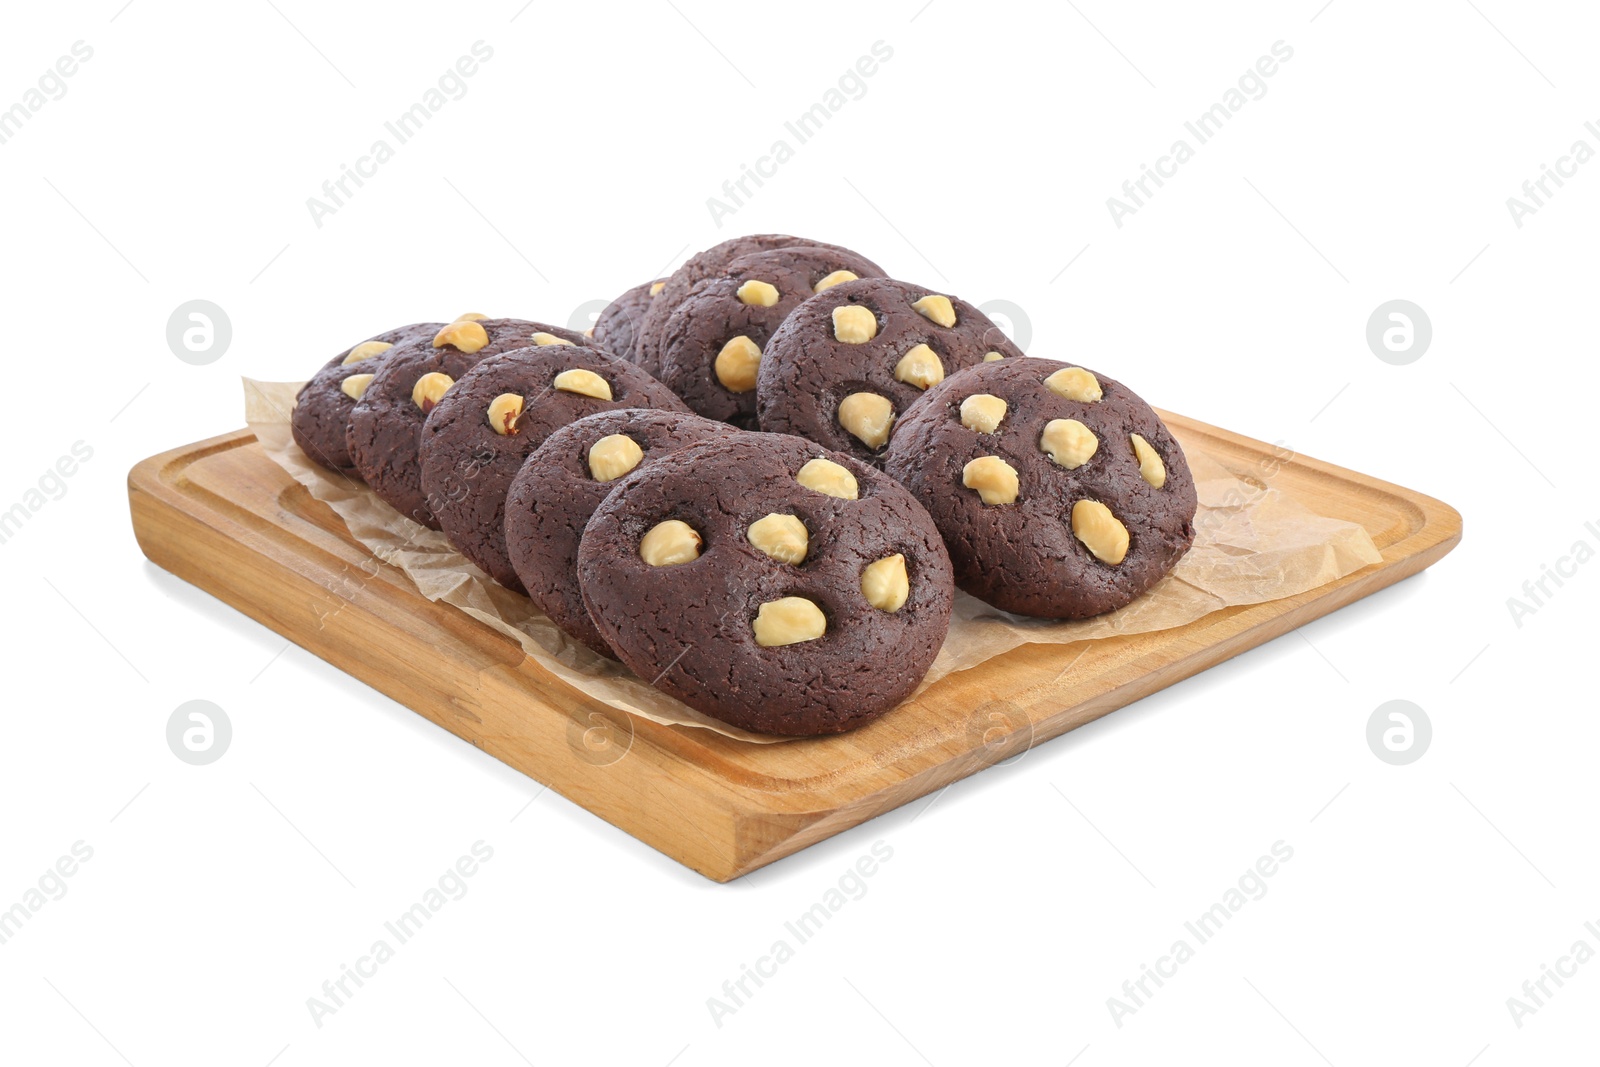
(386, 423)
(798, 612)
(859, 355)
(616, 329)
(322, 409)
(711, 344)
(702, 265)
(560, 485)
(476, 438)
(1059, 492)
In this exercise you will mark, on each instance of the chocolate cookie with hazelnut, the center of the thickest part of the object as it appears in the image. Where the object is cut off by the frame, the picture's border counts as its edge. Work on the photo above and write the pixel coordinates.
(561, 484)
(322, 408)
(386, 421)
(769, 583)
(706, 264)
(712, 343)
(475, 440)
(851, 360)
(1059, 492)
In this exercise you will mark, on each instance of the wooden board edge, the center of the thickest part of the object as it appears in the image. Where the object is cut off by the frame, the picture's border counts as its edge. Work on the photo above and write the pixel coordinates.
(677, 788)
(844, 817)
(747, 837)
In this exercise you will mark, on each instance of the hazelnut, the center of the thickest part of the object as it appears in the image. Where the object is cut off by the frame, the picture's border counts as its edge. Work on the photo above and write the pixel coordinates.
(762, 294)
(504, 411)
(1070, 443)
(355, 385)
(584, 383)
(834, 279)
(854, 324)
(471, 316)
(868, 417)
(737, 364)
(993, 478)
(656, 287)
(920, 368)
(541, 339)
(1100, 531)
(1151, 467)
(983, 412)
(429, 388)
(828, 478)
(465, 334)
(670, 543)
(885, 584)
(783, 537)
(937, 309)
(365, 350)
(613, 456)
(1075, 383)
(787, 621)
(990, 357)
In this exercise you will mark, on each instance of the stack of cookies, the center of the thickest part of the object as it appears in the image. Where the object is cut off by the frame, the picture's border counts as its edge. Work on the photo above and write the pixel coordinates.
(758, 482)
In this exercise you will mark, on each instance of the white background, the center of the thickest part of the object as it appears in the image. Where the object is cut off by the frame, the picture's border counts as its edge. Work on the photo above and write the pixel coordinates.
(1377, 166)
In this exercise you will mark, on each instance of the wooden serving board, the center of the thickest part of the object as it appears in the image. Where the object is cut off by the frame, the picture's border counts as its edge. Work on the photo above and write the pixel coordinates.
(224, 516)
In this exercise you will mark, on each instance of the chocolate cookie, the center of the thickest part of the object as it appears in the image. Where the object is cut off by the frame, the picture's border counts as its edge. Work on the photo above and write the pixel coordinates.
(702, 265)
(386, 423)
(768, 582)
(616, 329)
(712, 341)
(561, 484)
(322, 409)
(851, 360)
(476, 438)
(1059, 492)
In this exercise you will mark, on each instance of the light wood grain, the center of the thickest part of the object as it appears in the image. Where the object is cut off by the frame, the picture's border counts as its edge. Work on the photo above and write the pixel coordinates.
(222, 515)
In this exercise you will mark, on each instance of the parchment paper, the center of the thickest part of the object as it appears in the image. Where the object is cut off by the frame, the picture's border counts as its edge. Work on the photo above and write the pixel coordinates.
(1254, 544)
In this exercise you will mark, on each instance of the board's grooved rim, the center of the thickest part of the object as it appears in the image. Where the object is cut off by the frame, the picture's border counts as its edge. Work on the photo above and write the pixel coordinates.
(749, 817)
